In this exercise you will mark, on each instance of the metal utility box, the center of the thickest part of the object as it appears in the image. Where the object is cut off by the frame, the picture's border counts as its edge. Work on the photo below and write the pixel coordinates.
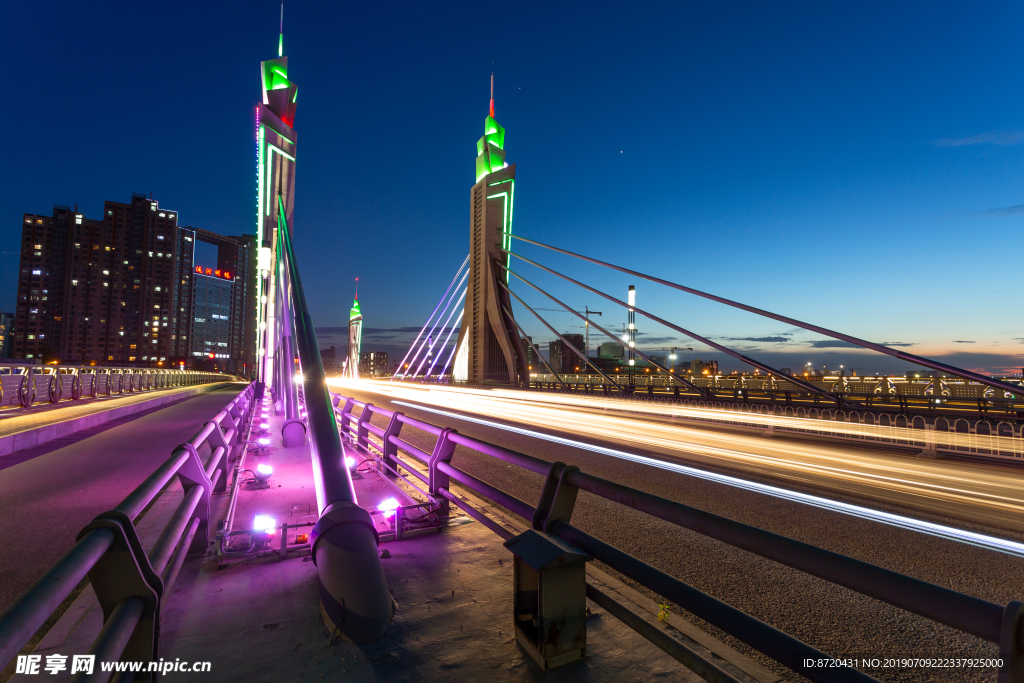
(549, 598)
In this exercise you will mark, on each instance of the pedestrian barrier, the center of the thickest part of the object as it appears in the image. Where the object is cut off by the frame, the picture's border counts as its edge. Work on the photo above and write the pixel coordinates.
(129, 582)
(1000, 624)
(23, 384)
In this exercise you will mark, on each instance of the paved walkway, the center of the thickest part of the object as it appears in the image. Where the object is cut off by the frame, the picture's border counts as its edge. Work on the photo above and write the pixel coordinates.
(49, 492)
(14, 420)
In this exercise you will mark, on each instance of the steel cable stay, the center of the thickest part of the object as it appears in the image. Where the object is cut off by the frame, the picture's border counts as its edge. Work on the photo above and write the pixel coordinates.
(448, 320)
(618, 340)
(536, 350)
(715, 345)
(856, 341)
(451, 329)
(447, 300)
(443, 297)
(564, 340)
(454, 348)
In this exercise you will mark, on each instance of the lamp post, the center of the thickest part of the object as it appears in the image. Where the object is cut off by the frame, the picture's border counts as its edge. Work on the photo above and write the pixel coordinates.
(632, 336)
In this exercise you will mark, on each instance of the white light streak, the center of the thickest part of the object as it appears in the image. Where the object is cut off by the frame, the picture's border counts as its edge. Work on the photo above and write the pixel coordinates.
(939, 530)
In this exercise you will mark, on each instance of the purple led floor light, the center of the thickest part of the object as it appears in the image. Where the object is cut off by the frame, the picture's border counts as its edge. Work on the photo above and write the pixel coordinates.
(457, 273)
(430, 335)
(455, 308)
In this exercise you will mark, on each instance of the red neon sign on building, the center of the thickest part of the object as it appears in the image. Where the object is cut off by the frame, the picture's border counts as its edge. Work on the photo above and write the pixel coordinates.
(213, 273)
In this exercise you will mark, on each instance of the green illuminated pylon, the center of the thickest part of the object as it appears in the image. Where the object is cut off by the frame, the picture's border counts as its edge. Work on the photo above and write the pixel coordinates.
(490, 149)
(355, 339)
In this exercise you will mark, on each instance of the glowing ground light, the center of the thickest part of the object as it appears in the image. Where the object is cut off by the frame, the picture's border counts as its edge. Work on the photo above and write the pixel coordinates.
(388, 506)
(939, 530)
(264, 441)
(350, 462)
(264, 523)
(263, 468)
(264, 425)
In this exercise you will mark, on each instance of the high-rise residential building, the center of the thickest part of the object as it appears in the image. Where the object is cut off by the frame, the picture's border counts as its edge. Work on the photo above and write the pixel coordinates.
(100, 291)
(223, 302)
(562, 358)
(113, 291)
(6, 329)
(489, 347)
(531, 355)
(373, 363)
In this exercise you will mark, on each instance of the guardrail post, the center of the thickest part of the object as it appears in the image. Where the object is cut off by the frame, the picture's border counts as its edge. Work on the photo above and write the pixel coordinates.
(390, 449)
(217, 440)
(444, 449)
(1011, 644)
(124, 573)
(557, 499)
(192, 473)
(346, 410)
(361, 430)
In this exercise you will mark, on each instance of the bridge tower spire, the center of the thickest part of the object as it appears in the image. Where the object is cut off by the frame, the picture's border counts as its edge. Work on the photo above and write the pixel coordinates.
(275, 193)
(489, 346)
(355, 336)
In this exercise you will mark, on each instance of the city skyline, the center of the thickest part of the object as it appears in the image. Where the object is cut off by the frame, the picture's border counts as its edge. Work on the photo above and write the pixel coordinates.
(842, 181)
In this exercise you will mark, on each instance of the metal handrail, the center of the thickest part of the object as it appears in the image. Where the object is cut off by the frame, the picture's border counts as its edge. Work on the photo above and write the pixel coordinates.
(1003, 625)
(155, 571)
(26, 384)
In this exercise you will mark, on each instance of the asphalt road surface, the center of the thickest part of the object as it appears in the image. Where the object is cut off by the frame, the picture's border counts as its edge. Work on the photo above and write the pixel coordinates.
(49, 492)
(985, 498)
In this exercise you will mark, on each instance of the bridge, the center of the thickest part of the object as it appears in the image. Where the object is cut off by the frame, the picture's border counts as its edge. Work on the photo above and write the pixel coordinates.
(472, 518)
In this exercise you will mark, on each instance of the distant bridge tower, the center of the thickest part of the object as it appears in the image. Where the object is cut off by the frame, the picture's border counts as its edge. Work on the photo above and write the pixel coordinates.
(275, 186)
(489, 346)
(355, 339)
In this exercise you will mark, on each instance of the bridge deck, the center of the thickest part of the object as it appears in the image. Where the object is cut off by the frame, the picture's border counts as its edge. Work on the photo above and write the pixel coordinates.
(453, 591)
(49, 492)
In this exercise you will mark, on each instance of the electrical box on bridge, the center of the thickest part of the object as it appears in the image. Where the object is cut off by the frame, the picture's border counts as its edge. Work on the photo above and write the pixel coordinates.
(549, 598)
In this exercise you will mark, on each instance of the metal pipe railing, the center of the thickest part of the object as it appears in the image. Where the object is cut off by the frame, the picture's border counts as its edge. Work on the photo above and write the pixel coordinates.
(995, 623)
(153, 573)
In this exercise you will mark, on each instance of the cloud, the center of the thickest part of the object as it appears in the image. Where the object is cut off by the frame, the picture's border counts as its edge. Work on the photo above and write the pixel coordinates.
(992, 137)
(1005, 210)
(657, 340)
(897, 343)
(760, 339)
(961, 341)
(832, 343)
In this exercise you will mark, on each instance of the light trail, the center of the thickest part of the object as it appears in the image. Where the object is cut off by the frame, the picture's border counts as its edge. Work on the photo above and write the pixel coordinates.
(997, 491)
(939, 530)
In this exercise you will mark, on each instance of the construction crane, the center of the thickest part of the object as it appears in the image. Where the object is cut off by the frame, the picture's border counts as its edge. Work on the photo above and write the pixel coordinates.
(586, 312)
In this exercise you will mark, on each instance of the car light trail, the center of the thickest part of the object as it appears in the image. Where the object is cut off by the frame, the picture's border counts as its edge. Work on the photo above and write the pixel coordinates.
(938, 530)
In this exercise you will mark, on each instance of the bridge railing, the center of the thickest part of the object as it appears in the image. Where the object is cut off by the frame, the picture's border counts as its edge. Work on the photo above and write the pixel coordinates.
(24, 384)
(999, 624)
(129, 582)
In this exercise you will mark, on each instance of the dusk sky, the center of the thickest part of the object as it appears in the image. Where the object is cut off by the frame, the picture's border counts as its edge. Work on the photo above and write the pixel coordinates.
(855, 165)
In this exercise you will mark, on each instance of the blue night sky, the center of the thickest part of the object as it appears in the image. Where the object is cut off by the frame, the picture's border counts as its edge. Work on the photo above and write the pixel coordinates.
(858, 165)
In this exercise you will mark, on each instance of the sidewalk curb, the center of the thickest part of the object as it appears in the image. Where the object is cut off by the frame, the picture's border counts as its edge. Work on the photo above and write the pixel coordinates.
(19, 441)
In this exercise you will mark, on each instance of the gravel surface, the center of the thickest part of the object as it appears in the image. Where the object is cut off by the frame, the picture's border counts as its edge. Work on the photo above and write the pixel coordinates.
(837, 621)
